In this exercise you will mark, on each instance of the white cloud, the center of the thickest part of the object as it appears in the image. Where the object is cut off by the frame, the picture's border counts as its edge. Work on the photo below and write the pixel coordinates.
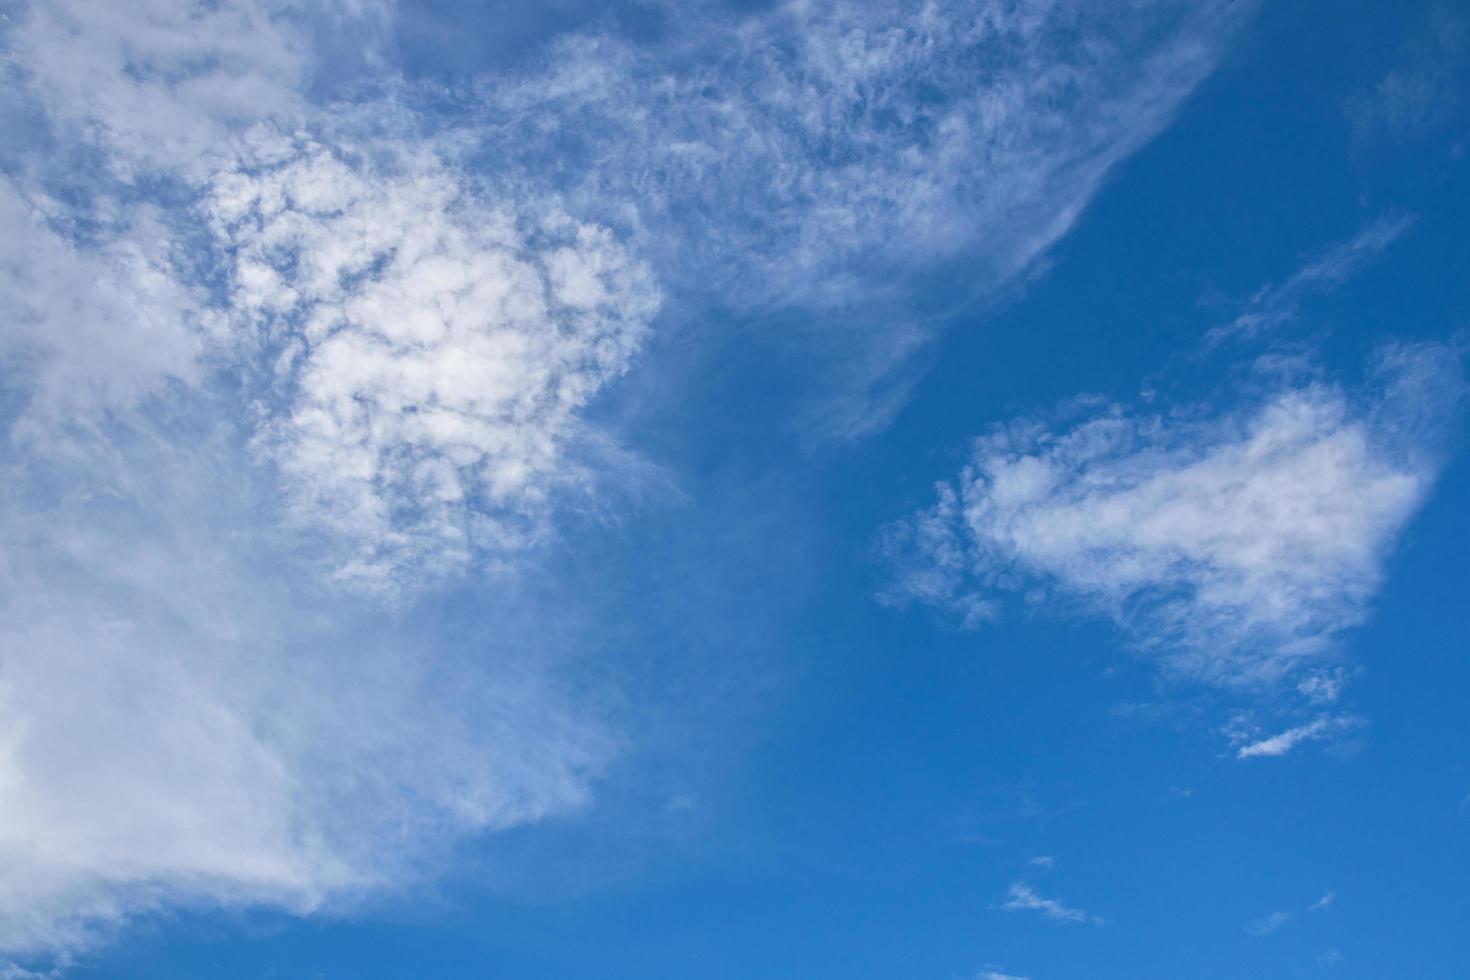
(826, 154)
(1277, 304)
(1323, 686)
(991, 974)
(1268, 924)
(188, 718)
(410, 342)
(1236, 545)
(164, 84)
(1021, 897)
(188, 722)
(431, 348)
(1284, 742)
(92, 327)
(824, 133)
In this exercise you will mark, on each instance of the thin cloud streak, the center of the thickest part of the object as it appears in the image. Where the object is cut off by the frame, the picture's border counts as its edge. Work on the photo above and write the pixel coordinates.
(1274, 306)
(1283, 742)
(1021, 897)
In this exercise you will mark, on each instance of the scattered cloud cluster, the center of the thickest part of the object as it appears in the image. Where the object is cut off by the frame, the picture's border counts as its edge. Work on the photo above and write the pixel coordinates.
(1235, 544)
(430, 348)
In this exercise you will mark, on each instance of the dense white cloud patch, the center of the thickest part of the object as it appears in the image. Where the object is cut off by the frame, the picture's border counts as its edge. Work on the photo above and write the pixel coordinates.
(185, 721)
(1235, 545)
(431, 348)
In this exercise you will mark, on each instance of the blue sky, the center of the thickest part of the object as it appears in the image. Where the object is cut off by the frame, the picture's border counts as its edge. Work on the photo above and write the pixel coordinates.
(957, 490)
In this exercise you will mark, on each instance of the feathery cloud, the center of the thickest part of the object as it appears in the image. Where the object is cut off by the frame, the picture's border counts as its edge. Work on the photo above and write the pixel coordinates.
(1284, 742)
(1268, 924)
(1021, 897)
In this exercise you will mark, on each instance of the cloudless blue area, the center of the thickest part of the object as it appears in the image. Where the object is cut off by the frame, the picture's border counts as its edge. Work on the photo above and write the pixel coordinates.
(865, 782)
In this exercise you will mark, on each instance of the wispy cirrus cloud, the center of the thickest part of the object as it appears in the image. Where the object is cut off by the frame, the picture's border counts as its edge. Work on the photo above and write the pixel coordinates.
(1021, 897)
(1283, 742)
(1276, 305)
(241, 350)
(1268, 924)
(1273, 921)
(821, 139)
(833, 154)
(1423, 93)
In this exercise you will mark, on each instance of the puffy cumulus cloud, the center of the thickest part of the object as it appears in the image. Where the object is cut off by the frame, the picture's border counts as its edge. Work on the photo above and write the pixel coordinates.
(186, 722)
(431, 346)
(818, 144)
(1235, 545)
